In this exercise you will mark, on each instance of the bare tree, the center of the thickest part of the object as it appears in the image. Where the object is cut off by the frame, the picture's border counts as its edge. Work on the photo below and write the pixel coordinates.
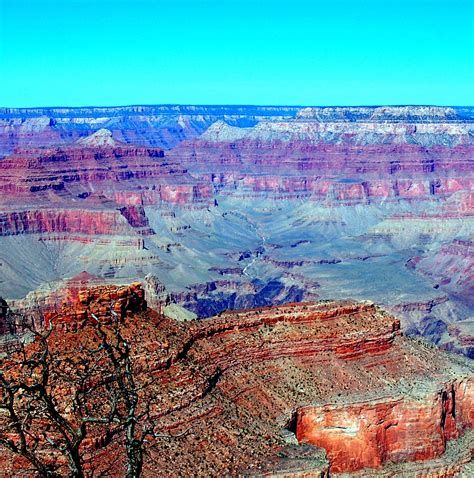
(54, 397)
(134, 400)
(33, 424)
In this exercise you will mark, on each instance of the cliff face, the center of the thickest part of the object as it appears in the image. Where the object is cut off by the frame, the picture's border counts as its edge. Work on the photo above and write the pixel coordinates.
(55, 221)
(75, 173)
(245, 385)
(366, 435)
(90, 188)
(237, 207)
(332, 173)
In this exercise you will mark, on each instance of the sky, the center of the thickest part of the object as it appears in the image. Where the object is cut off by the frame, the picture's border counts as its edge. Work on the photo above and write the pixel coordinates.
(267, 52)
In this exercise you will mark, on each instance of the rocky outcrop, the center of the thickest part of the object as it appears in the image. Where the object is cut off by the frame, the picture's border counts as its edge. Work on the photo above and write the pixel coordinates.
(395, 429)
(102, 303)
(455, 462)
(156, 295)
(408, 419)
(99, 139)
(242, 386)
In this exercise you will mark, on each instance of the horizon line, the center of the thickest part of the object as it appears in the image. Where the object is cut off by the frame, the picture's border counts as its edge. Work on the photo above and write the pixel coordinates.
(235, 105)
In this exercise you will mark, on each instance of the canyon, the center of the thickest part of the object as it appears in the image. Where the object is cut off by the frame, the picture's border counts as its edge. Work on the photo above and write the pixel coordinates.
(296, 283)
(329, 388)
(234, 207)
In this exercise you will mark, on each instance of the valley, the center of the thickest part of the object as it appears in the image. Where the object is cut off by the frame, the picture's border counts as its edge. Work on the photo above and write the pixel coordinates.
(240, 207)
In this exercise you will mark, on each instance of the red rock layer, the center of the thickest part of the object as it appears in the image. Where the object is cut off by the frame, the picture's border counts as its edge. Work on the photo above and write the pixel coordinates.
(295, 168)
(133, 175)
(90, 190)
(366, 435)
(339, 375)
(87, 172)
(89, 222)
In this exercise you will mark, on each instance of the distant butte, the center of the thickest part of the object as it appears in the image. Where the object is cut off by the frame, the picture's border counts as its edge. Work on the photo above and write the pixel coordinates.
(100, 139)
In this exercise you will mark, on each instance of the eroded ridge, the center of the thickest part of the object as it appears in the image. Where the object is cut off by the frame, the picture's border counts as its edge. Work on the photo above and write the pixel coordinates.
(240, 388)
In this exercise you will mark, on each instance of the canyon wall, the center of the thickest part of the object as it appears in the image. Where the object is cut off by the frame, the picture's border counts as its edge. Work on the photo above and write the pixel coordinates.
(236, 207)
(397, 430)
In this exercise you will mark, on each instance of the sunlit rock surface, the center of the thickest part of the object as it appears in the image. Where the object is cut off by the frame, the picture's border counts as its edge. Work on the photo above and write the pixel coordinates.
(311, 389)
(236, 207)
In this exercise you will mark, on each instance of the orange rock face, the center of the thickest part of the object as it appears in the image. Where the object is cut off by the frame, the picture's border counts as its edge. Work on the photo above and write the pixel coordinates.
(366, 435)
(99, 301)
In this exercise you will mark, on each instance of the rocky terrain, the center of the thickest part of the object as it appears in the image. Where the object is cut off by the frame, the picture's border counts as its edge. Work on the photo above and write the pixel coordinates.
(238, 207)
(311, 389)
(167, 125)
(161, 126)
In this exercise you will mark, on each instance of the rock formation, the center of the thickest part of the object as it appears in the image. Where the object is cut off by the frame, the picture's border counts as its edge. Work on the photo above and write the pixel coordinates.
(339, 377)
(100, 139)
(100, 303)
(236, 207)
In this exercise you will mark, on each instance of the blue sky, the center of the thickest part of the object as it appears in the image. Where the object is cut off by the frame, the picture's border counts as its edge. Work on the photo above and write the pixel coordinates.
(320, 52)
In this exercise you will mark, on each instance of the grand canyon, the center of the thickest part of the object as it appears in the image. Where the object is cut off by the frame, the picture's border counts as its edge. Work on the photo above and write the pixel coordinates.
(297, 281)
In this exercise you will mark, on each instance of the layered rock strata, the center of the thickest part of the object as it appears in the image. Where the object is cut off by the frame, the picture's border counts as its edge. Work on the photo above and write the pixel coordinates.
(236, 207)
(242, 386)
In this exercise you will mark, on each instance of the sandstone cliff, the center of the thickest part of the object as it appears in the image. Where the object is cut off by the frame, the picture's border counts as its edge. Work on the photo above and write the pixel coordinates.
(236, 207)
(242, 386)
